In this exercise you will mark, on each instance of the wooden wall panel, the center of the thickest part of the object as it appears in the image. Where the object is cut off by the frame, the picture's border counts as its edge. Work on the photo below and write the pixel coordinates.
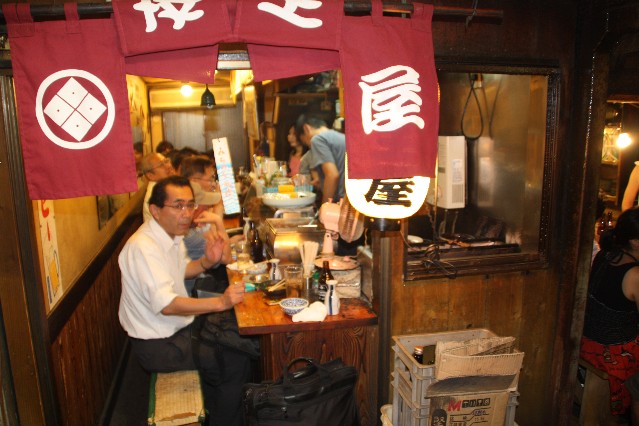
(355, 346)
(519, 304)
(85, 353)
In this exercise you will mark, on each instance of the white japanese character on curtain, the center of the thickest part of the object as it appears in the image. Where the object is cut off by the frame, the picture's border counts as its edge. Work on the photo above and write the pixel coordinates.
(288, 12)
(179, 16)
(390, 99)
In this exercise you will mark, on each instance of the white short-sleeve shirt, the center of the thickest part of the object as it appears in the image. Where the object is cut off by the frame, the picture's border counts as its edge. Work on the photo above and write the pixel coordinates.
(153, 266)
(146, 212)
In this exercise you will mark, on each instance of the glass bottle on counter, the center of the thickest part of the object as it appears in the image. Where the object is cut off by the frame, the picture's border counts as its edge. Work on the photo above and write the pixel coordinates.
(325, 275)
(256, 248)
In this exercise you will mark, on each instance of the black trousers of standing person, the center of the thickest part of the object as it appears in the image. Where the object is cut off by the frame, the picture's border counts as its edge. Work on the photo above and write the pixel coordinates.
(223, 372)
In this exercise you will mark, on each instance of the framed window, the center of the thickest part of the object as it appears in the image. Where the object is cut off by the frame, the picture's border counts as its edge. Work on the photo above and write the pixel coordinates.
(488, 207)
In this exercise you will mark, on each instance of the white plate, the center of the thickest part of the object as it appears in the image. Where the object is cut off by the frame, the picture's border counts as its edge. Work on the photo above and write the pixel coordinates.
(278, 200)
(337, 263)
(414, 239)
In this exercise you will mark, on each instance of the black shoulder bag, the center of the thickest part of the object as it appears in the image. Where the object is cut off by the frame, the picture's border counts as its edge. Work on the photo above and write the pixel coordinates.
(220, 329)
(317, 394)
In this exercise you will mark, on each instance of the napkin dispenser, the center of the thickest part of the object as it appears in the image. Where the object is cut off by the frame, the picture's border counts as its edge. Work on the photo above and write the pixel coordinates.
(284, 236)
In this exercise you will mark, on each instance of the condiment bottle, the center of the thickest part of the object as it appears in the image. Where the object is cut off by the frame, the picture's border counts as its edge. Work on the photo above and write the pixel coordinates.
(325, 276)
(418, 354)
(256, 248)
(275, 273)
(332, 298)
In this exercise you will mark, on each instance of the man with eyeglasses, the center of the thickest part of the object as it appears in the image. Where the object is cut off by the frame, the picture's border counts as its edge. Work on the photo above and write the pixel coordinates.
(154, 167)
(200, 170)
(156, 312)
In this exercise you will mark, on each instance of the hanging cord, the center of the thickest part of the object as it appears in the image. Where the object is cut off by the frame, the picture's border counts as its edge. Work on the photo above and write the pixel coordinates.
(431, 261)
(472, 92)
(434, 265)
(473, 13)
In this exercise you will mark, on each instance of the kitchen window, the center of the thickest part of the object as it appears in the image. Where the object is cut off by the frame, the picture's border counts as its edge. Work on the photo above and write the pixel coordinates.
(488, 208)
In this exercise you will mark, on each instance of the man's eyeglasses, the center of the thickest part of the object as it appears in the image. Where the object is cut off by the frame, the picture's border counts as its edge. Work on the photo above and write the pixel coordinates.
(162, 163)
(183, 206)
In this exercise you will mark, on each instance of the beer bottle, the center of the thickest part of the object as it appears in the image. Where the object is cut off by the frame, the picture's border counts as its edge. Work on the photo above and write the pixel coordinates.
(256, 248)
(325, 275)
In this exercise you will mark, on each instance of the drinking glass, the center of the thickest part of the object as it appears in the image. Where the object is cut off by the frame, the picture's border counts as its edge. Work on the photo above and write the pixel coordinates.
(293, 275)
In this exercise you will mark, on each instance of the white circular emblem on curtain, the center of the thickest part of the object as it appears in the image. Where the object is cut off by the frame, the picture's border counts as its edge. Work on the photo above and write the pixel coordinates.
(74, 109)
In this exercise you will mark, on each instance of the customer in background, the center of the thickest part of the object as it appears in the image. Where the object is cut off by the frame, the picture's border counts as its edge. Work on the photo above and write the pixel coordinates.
(164, 148)
(632, 189)
(298, 149)
(264, 147)
(138, 153)
(328, 148)
(179, 155)
(154, 167)
(306, 169)
(156, 312)
(611, 325)
(200, 170)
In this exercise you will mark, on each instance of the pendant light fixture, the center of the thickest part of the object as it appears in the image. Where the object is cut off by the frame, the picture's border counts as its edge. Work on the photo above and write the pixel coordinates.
(208, 100)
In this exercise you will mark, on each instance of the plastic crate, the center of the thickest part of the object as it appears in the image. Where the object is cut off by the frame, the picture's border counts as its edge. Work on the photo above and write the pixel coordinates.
(413, 389)
(404, 413)
(387, 413)
(418, 376)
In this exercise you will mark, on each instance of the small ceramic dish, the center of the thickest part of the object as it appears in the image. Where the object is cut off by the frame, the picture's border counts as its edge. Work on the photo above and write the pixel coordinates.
(293, 305)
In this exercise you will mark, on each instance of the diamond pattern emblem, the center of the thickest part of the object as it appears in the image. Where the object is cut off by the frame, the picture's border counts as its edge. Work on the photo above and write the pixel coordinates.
(91, 108)
(72, 92)
(58, 110)
(74, 109)
(77, 126)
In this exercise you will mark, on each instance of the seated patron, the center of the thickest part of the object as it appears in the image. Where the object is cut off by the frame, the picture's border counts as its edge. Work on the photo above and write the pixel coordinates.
(154, 167)
(157, 313)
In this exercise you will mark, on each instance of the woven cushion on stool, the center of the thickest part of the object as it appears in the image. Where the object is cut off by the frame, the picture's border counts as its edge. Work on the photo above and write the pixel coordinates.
(176, 399)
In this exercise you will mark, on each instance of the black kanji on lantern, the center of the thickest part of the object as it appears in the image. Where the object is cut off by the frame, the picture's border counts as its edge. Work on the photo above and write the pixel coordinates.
(390, 192)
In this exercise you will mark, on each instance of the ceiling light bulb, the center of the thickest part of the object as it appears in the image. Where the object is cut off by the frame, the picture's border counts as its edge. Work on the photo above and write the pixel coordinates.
(623, 140)
(186, 90)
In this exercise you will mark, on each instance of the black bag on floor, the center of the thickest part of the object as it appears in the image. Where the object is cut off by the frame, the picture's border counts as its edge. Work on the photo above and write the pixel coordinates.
(317, 394)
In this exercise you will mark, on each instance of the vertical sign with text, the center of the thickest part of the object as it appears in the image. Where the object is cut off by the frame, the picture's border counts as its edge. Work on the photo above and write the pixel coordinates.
(226, 176)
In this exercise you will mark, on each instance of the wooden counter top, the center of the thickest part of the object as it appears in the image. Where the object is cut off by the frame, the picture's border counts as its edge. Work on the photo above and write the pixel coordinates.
(255, 316)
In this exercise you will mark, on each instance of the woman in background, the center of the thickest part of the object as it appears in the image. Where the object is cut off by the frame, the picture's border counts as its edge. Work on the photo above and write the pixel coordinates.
(611, 323)
(632, 189)
(297, 151)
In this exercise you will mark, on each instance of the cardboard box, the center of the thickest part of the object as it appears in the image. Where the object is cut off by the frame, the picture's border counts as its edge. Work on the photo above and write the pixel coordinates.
(493, 356)
(487, 409)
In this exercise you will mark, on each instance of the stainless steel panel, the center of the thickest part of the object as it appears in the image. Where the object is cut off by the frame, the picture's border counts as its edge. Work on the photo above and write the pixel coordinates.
(505, 127)
(284, 236)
